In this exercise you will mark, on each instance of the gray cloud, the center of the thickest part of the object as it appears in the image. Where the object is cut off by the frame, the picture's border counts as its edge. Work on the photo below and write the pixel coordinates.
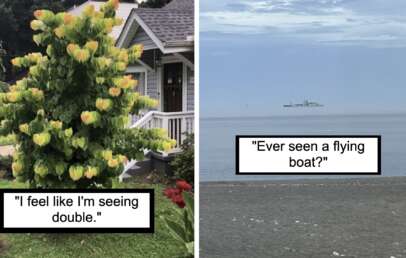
(341, 22)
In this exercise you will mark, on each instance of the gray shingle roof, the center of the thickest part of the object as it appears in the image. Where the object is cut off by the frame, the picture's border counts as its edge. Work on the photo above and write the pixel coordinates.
(172, 23)
(181, 5)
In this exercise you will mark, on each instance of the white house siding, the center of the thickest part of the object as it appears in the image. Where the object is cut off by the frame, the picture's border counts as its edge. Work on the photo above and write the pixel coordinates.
(142, 38)
(190, 89)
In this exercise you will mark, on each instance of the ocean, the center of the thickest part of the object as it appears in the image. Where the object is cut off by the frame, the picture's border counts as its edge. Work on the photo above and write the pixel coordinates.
(217, 140)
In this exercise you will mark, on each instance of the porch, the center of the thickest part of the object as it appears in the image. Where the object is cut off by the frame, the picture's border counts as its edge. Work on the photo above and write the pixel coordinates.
(177, 124)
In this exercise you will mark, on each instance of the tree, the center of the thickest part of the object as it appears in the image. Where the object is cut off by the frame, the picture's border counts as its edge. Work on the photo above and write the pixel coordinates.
(2, 68)
(3, 85)
(154, 3)
(70, 114)
(15, 32)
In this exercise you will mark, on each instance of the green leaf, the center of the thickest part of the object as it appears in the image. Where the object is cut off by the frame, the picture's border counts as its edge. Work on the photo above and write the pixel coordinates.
(176, 230)
(190, 247)
(189, 202)
(189, 232)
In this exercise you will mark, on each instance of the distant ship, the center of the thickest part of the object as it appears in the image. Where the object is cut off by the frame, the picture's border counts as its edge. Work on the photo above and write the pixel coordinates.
(305, 103)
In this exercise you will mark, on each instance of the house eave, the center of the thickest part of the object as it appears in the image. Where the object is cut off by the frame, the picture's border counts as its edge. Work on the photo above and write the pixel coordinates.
(165, 47)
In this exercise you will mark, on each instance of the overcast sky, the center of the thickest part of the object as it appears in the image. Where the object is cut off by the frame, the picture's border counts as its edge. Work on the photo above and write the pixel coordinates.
(257, 55)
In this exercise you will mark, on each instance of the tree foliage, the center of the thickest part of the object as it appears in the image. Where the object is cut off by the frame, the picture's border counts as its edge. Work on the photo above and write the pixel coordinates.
(154, 3)
(2, 68)
(15, 32)
(183, 164)
(70, 114)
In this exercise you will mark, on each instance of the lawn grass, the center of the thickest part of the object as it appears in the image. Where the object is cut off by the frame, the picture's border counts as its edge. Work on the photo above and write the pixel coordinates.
(159, 244)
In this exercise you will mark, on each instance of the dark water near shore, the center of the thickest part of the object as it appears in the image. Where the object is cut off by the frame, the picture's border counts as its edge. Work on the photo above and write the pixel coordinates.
(217, 136)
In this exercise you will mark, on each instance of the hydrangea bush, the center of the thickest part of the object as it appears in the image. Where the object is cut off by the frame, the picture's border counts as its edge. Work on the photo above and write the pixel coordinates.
(70, 114)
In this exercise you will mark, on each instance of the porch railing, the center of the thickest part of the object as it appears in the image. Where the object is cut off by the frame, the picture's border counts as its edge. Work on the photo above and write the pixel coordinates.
(177, 124)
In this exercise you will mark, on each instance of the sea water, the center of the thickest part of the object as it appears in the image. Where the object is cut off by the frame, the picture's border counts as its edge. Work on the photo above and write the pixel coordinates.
(217, 140)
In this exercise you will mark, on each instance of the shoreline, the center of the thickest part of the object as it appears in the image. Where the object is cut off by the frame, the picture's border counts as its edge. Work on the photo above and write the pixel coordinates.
(377, 178)
(351, 217)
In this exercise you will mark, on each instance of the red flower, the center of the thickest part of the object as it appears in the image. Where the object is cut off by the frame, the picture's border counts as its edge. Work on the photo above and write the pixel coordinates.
(183, 185)
(175, 194)
(178, 199)
(170, 192)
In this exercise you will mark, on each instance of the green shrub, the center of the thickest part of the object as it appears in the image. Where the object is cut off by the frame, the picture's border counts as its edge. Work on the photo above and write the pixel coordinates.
(70, 114)
(183, 164)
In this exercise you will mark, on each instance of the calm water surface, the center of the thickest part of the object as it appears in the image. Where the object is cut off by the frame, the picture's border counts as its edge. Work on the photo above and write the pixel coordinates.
(217, 140)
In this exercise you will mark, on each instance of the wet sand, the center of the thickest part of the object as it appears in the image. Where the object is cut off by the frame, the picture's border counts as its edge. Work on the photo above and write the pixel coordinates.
(304, 218)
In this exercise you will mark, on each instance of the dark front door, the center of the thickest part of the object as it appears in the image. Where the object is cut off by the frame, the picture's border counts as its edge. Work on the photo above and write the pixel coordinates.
(173, 87)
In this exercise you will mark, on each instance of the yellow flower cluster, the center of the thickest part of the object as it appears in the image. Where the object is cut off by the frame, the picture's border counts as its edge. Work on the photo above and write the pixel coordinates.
(80, 142)
(34, 71)
(21, 84)
(41, 139)
(68, 18)
(92, 46)
(14, 96)
(17, 62)
(123, 56)
(135, 51)
(100, 80)
(79, 54)
(88, 10)
(113, 163)
(91, 172)
(104, 104)
(37, 25)
(17, 167)
(108, 24)
(34, 57)
(114, 91)
(107, 154)
(57, 125)
(120, 66)
(76, 172)
(37, 94)
(103, 62)
(44, 15)
(24, 128)
(60, 32)
(90, 117)
(40, 168)
(68, 132)
(125, 82)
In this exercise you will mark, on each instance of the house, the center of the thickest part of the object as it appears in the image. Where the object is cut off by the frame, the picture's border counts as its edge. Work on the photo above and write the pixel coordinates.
(166, 69)
(164, 72)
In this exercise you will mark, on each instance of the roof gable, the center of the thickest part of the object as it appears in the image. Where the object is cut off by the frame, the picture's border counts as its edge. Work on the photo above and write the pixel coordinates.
(171, 28)
(141, 37)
